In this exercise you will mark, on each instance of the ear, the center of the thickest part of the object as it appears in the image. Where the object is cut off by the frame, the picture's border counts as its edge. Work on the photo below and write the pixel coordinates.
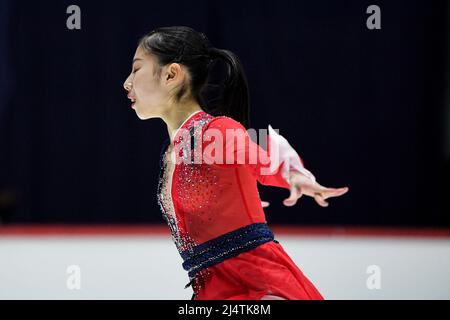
(174, 74)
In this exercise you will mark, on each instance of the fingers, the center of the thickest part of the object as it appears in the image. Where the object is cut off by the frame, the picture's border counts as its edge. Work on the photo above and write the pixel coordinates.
(319, 192)
(327, 193)
(320, 200)
(296, 193)
(331, 192)
(265, 204)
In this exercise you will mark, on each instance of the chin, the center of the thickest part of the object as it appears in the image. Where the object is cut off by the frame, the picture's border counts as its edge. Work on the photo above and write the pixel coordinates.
(145, 112)
(144, 116)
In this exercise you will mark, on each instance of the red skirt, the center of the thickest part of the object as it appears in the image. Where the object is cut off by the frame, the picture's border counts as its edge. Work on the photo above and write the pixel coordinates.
(265, 270)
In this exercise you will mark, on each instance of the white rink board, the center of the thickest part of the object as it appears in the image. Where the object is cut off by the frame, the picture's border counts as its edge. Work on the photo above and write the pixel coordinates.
(149, 267)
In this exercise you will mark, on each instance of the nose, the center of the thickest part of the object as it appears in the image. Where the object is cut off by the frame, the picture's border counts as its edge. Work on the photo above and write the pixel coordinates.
(127, 84)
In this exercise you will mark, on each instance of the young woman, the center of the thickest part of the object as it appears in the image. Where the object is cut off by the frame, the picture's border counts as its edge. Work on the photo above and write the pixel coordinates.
(209, 199)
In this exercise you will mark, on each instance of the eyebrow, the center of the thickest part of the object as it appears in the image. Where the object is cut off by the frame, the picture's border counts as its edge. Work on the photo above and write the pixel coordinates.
(136, 60)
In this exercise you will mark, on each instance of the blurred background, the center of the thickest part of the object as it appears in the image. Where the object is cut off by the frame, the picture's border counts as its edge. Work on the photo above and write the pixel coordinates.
(367, 109)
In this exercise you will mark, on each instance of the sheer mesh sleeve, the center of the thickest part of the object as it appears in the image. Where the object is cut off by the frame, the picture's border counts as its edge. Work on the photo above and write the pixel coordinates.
(227, 144)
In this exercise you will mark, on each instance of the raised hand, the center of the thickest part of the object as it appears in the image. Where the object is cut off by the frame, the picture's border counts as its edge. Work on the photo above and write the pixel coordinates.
(301, 184)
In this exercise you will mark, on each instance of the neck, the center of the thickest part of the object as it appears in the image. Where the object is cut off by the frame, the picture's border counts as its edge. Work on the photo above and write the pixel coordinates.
(176, 116)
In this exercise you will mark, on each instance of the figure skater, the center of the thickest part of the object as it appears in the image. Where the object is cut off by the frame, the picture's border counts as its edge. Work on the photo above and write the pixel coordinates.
(212, 206)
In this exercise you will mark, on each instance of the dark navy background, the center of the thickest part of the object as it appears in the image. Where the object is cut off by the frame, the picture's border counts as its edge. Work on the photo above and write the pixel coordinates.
(364, 108)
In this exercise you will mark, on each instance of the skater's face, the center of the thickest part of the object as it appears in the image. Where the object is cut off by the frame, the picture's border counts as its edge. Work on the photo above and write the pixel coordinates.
(150, 86)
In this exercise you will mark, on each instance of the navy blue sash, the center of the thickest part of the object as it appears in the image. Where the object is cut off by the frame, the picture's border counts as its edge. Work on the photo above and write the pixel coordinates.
(225, 246)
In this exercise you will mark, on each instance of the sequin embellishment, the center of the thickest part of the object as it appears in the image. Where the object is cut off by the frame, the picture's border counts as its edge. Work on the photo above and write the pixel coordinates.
(186, 175)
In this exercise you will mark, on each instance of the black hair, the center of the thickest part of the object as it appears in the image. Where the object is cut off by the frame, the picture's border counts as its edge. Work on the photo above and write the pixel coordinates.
(192, 49)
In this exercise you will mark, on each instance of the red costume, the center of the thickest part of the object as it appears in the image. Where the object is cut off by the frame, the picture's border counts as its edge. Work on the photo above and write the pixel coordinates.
(214, 211)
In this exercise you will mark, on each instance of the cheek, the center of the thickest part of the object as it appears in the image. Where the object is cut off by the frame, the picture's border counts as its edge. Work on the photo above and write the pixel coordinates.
(146, 86)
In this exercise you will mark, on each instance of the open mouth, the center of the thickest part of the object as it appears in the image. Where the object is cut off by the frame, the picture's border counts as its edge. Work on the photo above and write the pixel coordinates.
(133, 102)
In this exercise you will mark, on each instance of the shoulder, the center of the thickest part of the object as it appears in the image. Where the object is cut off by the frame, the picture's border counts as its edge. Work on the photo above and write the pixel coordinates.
(224, 122)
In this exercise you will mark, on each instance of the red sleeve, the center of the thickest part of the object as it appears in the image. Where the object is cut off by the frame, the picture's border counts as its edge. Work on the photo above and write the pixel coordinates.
(227, 144)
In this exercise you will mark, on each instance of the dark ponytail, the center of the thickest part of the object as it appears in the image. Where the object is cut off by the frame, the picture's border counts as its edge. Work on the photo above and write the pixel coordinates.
(235, 98)
(186, 46)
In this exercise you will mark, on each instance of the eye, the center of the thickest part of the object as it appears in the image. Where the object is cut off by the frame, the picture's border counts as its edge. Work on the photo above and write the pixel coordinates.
(135, 70)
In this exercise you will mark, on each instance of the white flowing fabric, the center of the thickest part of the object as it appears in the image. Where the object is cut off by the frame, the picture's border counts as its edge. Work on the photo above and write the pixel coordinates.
(281, 150)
